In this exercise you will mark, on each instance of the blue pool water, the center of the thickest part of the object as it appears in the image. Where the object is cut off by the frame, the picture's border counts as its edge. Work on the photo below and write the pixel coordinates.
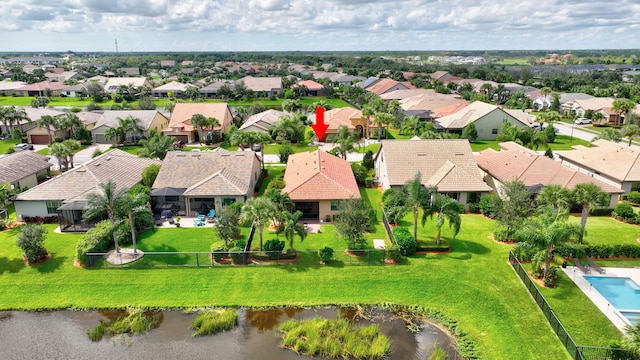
(621, 292)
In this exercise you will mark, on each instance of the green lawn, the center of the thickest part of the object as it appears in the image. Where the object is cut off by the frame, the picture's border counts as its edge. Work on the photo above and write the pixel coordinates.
(45, 151)
(562, 142)
(606, 230)
(5, 145)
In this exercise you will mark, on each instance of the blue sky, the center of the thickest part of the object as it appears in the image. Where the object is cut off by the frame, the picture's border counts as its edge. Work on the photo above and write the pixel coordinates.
(307, 25)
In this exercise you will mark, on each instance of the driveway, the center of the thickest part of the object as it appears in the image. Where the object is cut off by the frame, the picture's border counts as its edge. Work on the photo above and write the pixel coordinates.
(80, 157)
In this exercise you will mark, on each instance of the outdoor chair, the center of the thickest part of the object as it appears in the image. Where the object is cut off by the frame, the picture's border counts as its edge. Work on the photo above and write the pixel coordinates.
(199, 216)
(157, 219)
(198, 222)
(595, 267)
(584, 269)
(210, 216)
(170, 220)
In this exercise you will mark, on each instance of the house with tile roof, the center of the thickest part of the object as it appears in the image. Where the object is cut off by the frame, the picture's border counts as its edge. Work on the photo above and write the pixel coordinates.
(177, 88)
(36, 134)
(41, 89)
(316, 183)
(180, 125)
(199, 181)
(23, 169)
(262, 121)
(149, 120)
(350, 117)
(447, 164)
(313, 88)
(600, 105)
(385, 85)
(487, 118)
(112, 84)
(606, 161)
(516, 162)
(431, 105)
(263, 86)
(9, 87)
(65, 195)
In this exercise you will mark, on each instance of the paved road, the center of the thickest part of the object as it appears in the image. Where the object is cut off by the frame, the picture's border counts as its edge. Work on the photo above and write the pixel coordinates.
(574, 131)
(81, 157)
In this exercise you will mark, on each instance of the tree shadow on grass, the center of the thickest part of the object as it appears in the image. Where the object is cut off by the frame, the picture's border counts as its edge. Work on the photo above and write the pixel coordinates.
(465, 249)
(10, 265)
(51, 265)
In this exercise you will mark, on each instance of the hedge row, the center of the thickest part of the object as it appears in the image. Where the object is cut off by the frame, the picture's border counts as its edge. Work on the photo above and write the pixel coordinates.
(582, 251)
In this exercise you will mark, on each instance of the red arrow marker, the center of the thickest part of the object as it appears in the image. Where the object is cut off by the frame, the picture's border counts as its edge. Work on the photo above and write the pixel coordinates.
(320, 127)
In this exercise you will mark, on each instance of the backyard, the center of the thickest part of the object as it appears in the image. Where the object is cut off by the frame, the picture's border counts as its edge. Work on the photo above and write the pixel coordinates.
(474, 276)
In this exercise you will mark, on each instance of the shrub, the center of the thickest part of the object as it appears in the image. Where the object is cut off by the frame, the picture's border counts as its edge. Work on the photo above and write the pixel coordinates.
(237, 255)
(367, 160)
(276, 184)
(219, 251)
(406, 241)
(97, 239)
(273, 247)
(474, 208)
(326, 253)
(31, 241)
(93, 107)
(359, 172)
(368, 182)
(551, 278)
(490, 205)
(601, 212)
(624, 212)
(284, 151)
(633, 197)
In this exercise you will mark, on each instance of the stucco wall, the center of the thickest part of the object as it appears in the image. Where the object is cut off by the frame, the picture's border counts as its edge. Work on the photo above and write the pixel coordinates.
(31, 208)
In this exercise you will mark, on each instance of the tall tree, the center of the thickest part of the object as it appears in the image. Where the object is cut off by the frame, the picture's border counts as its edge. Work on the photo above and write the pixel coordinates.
(555, 196)
(546, 232)
(290, 227)
(588, 195)
(258, 212)
(47, 122)
(106, 203)
(344, 140)
(447, 209)
(353, 221)
(156, 147)
(610, 134)
(630, 131)
(516, 206)
(470, 132)
(382, 120)
(622, 107)
(418, 199)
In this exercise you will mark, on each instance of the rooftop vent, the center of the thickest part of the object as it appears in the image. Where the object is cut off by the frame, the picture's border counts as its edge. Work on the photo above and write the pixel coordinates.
(421, 154)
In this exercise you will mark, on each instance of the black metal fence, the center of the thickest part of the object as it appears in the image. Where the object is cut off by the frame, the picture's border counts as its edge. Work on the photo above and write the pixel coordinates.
(576, 351)
(387, 228)
(219, 258)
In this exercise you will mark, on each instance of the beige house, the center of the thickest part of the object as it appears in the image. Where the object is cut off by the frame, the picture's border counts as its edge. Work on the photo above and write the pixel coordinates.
(262, 121)
(317, 181)
(200, 181)
(612, 163)
(113, 83)
(23, 169)
(149, 120)
(65, 195)
(487, 118)
(174, 87)
(446, 164)
(180, 125)
(350, 117)
(431, 105)
(36, 134)
(516, 162)
(263, 86)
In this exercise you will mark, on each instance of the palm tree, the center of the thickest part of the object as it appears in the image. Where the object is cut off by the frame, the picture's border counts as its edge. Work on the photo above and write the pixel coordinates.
(112, 134)
(132, 125)
(555, 196)
(198, 121)
(547, 231)
(588, 195)
(630, 131)
(258, 212)
(368, 112)
(597, 117)
(47, 122)
(60, 151)
(69, 122)
(446, 209)
(282, 201)
(291, 105)
(344, 140)
(290, 227)
(70, 148)
(289, 128)
(418, 198)
(609, 134)
(105, 203)
(622, 106)
(410, 125)
(381, 119)
(156, 147)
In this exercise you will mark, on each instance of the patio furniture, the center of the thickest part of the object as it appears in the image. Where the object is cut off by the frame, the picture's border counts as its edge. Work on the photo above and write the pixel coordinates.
(597, 268)
(157, 218)
(584, 269)
(210, 216)
(198, 222)
(199, 216)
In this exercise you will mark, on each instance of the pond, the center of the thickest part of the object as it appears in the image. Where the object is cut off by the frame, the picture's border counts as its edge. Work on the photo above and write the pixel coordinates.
(63, 335)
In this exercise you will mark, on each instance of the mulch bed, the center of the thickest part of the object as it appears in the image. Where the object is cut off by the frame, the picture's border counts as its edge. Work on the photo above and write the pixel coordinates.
(46, 258)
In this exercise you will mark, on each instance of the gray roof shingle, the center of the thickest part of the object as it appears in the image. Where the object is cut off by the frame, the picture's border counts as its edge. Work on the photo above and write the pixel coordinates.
(21, 164)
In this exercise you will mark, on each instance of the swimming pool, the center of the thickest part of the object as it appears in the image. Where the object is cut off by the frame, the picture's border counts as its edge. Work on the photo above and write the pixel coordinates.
(621, 292)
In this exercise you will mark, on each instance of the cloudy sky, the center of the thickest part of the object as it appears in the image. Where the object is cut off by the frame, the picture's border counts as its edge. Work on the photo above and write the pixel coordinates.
(263, 25)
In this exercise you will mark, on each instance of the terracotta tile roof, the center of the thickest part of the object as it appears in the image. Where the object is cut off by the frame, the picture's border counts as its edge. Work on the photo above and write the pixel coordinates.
(43, 85)
(262, 83)
(318, 175)
(311, 85)
(433, 101)
(383, 85)
(121, 167)
(341, 116)
(263, 120)
(471, 113)
(448, 164)
(405, 94)
(517, 162)
(21, 164)
(218, 172)
(180, 118)
(614, 160)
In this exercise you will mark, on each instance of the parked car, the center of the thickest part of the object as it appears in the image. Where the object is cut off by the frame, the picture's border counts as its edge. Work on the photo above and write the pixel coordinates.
(23, 146)
(257, 147)
(178, 144)
(582, 121)
(537, 126)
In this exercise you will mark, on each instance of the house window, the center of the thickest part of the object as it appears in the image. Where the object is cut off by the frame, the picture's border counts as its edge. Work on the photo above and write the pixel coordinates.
(228, 201)
(335, 205)
(52, 206)
(453, 195)
(494, 131)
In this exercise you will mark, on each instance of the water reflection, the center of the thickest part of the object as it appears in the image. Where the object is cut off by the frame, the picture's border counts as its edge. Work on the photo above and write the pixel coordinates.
(63, 335)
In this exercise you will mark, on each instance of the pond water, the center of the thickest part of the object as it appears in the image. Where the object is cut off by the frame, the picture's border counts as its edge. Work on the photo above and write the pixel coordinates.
(63, 335)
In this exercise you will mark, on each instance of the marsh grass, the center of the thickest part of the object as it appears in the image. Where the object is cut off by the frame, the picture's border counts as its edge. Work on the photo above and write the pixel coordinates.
(212, 322)
(133, 322)
(336, 338)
